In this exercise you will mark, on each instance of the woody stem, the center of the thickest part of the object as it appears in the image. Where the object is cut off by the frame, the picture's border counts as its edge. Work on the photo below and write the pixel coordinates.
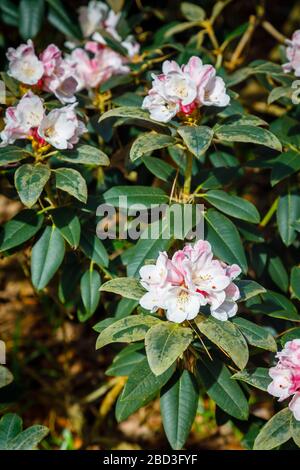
(188, 174)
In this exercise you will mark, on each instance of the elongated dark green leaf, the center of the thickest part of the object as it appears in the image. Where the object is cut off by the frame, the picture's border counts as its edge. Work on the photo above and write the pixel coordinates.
(126, 330)
(19, 229)
(93, 248)
(178, 406)
(227, 394)
(249, 134)
(72, 182)
(68, 224)
(127, 407)
(165, 342)
(12, 154)
(31, 15)
(124, 362)
(142, 383)
(275, 432)
(256, 335)
(136, 195)
(28, 439)
(295, 282)
(233, 205)
(291, 334)
(285, 165)
(159, 168)
(85, 154)
(258, 378)
(295, 430)
(128, 287)
(196, 138)
(89, 287)
(130, 112)
(60, 19)
(227, 337)
(277, 306)
(249, 289)
(10, 426)
(288, 211)
(147, 143)
(47, 256)
(6, 376)
(225, 239)
(30, 181)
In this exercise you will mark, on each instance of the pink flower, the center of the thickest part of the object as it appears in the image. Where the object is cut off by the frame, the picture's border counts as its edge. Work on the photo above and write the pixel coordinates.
(184, 89)
(293, 54)
(191, 279)
(28, 120)
(286, 376)
(24, 65)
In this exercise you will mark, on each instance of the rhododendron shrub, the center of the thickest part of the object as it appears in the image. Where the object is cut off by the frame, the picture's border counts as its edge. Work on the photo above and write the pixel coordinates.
(107, 108)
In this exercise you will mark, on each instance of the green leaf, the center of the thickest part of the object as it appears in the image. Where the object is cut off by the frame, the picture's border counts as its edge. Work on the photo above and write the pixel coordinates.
(136, 195)
(60, 19)
(280, 92)
(161, 169)
(148, 142)
(30, 181)
(126, 286)
(19, 229)
(295, 430)
(164, 343)
(93, 248)
(196, 138)
(6, 376)
(249, 289)
(13, 438)
(142, 383)
(248, 134)
(233, 205)
(89, 287)
(295, 282)
(68, 224)
(256, 335)
(46, 258)
(275, 432)
(72, 182)
(130, 112)
(225, 239)
(192, 12)
(10, 426)
(124, 362)
(291, 334)
(12, 154)
(28, 439)
(288, 212)
(178, 406)
(227, 394)
(227, 337)
(85, 154)
(258, 378)
(31, 15)
(126, 330)
(285, 165)
(278, 306)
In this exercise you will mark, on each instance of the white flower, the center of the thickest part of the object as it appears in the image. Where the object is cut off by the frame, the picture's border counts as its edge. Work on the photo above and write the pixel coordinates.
(24, 65)
(191, 279)
(97, 15)
(294, 406)
(19, 120)
(61, 127)
(293, 54)
(183, 89)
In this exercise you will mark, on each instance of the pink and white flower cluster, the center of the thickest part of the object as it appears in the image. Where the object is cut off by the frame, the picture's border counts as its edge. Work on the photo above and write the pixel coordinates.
(28, 120)
(97, 17)
(184, 89)
(48, 71)
(188, 281)
(293, 54)
(286, 376)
